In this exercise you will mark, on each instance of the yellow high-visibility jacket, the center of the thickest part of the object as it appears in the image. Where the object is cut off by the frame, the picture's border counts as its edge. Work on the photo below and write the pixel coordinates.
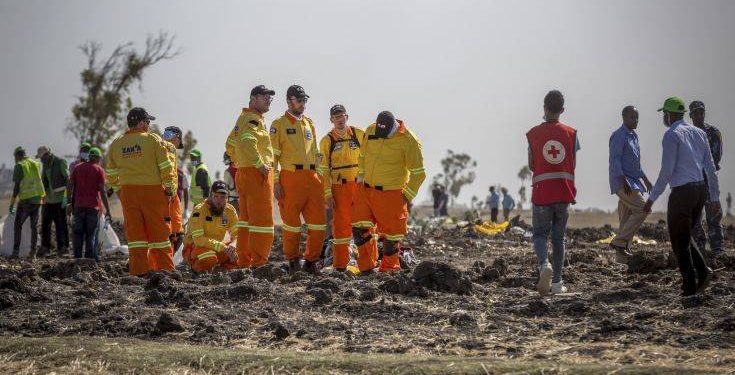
(392, 163)
(140, 158)
(340, 157)
(208, 231)
(249, 143)
(294, 143)
(173, 158)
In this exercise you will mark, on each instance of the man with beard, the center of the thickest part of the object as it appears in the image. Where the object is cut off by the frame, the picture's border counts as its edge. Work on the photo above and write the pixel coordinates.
(204, 246)
(249, 147)
(297, 185)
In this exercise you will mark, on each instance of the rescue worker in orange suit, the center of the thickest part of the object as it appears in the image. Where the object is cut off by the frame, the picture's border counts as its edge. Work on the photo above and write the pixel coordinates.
(204, 248)
(249, 146)
(390, 173)
(138, 166)
(340, 151)
(172, 136)
(298, 187)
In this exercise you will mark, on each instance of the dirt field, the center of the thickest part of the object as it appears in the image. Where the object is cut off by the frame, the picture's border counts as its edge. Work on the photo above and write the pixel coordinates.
(470, 301)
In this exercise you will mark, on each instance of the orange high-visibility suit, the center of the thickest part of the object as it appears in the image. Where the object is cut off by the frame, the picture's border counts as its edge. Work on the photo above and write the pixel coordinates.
(174, 207)
(295, 150)
(249, 147)
(392, 171)
(338, 167)
(203, 246)
(138, 166)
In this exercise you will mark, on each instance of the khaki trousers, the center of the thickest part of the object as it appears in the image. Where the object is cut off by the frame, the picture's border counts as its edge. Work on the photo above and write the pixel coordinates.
(631, 216)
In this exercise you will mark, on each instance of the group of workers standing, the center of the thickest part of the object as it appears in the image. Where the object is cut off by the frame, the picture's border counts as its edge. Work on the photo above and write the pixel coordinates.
(366, 178)
(57, 191)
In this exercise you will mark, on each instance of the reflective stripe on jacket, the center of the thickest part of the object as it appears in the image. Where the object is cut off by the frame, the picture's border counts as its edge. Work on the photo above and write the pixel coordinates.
(394, 163)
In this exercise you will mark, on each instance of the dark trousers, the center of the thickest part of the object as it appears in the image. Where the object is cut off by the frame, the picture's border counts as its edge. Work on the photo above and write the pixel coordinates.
(86, 221)
(685, 208)
(54, 213)
(494, 215)
(26, 210)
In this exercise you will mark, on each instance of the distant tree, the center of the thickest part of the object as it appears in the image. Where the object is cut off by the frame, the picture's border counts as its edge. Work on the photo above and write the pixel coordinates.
(456, 173)
(99, 114)
(524, 174)
(189, 143)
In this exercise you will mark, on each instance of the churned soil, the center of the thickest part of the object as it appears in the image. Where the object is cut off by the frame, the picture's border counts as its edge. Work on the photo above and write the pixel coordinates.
(469, 295)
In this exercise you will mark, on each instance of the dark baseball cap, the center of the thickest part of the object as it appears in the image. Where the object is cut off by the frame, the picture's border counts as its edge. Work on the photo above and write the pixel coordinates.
(385, 118)
(697, 104)
(137, 115)
(296, 91)
(261, 90)
(337, 108)
(219, 186)
(171, 132)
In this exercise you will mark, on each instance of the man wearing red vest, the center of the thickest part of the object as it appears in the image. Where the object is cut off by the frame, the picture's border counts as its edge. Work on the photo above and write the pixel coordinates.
(552, 149)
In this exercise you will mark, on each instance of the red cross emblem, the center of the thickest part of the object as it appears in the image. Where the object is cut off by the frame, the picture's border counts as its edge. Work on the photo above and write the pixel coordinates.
(554, 152)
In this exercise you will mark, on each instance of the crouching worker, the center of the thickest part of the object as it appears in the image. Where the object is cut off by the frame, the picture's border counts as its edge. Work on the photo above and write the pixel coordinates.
(204, 248)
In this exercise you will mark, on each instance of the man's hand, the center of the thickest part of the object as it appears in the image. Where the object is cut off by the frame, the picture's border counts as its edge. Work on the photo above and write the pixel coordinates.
(169, 193)
(264, 170)
(648, 184)
(329, 202)
(231, 252)
(647, 206)
(278, 191)
(715, 207)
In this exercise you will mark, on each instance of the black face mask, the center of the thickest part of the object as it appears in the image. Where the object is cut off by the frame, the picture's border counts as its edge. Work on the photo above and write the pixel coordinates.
(382, 131)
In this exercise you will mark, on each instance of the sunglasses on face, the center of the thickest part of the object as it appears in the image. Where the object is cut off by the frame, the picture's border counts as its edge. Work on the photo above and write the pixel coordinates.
(300, 100)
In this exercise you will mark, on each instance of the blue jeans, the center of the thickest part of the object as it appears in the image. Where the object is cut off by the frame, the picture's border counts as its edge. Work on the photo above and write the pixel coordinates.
(551, 218)
(86, 222)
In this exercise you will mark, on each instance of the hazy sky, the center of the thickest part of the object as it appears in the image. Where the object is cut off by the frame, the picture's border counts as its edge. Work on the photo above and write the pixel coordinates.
(464, 75)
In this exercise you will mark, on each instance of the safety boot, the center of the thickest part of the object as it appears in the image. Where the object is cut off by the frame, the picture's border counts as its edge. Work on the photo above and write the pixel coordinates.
(311, 267)
(294, 265)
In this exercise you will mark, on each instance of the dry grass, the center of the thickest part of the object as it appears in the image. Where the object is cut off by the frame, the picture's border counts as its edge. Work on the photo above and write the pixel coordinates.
(92, 355)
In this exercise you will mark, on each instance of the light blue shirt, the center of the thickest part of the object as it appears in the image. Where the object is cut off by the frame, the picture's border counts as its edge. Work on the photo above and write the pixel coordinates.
(686, 155)
(493, 200)
(625, 160)
(508, 202)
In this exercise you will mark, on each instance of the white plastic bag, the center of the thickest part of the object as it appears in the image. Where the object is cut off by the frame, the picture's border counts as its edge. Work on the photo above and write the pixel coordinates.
(8, 235)
(109, 240)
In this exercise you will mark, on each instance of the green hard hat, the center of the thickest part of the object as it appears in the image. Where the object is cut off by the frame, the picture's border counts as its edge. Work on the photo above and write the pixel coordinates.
(196, 153)
(18, 150)
(94, 151)
(85, 145)
(674, 104)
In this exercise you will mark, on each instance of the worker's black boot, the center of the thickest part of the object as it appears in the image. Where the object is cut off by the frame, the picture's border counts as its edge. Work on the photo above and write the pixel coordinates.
(294, 266)
(311, 267)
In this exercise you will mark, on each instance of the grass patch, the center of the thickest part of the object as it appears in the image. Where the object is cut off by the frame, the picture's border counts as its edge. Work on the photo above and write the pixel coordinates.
(97, 355)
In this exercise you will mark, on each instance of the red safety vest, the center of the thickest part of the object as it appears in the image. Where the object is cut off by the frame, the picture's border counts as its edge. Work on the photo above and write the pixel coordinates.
(552, 148)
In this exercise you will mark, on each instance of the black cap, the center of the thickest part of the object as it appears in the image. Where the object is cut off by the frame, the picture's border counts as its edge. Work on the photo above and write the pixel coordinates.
(137, 115)
(296, 91)
(261, 90)
(385, 118)
(219, 186)
(173, 131)
(695, 105)
(337, 108)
